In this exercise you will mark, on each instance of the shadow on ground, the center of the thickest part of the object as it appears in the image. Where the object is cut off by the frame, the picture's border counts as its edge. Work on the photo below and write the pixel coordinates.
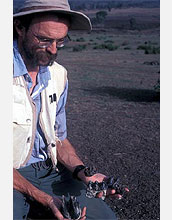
(128, 94)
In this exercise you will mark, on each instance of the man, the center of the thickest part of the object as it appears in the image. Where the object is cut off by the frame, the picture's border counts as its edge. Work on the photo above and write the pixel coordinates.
(46, 165)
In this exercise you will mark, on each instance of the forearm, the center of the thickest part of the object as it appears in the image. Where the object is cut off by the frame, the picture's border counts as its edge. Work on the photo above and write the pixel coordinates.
(25, 187)
(67, 155)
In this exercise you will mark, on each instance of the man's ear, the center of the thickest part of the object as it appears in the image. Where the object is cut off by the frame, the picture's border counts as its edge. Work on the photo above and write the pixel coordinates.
(19, 27)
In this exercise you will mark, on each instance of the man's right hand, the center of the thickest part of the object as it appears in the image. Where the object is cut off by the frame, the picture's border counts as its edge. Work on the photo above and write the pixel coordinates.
(55, 205)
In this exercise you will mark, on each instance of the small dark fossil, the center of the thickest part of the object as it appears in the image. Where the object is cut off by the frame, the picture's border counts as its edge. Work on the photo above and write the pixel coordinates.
(71, 209)
(110, 183)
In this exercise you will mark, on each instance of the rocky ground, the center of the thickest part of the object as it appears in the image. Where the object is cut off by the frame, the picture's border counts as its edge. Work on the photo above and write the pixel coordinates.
(113, 119)
(113, 113)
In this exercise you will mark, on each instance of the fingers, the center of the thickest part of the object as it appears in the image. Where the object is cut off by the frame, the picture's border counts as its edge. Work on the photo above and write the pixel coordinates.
(83, 215)
(127, 190)
(83, 212)
(112, 193)
(58, 214)
(99, 195)
(55, 209)
(116, 196)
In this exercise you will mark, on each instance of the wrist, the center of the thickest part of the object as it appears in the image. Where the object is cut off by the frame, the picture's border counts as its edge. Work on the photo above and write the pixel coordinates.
(44, 199)
(77, 172)
(84, 173)
(83, 177)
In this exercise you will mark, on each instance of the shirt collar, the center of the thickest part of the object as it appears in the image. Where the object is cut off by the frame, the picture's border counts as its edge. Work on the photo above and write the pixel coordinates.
(19, 67)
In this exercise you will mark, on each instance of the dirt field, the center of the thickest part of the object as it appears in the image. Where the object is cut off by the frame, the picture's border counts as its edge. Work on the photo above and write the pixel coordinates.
(113, 107)
(144, 18)
(113, 113)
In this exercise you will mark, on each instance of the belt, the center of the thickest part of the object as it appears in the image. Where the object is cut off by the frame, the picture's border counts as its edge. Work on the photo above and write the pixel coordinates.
(47, 164)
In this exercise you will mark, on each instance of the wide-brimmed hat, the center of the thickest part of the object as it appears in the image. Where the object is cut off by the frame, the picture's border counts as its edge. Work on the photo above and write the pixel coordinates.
(79, 21)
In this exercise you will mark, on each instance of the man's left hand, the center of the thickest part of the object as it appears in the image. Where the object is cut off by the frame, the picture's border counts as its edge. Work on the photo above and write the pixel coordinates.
(110, 192)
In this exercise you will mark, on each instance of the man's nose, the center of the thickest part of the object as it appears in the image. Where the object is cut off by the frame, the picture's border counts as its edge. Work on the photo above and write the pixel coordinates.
(52, 48)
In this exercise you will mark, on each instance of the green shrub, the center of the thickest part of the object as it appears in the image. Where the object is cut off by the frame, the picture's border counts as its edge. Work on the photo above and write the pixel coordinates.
(157, 86)
(127, 48)
(153, 50)
(109, 47)
(149, 49)
(81, 39)
(99, 47)
(132, 23)
(101, 16)
(125, 43)
(78, 48)
(143, 47)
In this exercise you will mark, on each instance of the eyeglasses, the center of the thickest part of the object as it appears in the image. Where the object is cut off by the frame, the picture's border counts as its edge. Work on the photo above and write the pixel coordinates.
(47, 42)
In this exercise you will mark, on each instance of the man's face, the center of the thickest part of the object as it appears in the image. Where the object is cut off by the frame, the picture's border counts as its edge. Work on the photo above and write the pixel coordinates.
(47, 27)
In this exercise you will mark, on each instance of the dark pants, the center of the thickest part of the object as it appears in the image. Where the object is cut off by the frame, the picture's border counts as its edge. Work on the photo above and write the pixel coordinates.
(57, 184)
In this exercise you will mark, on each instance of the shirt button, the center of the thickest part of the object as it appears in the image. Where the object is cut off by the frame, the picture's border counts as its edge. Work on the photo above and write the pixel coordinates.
(28, 120)
(28, 140)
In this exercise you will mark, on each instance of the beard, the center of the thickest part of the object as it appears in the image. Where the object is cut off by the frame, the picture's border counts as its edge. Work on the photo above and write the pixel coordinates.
(36, 56)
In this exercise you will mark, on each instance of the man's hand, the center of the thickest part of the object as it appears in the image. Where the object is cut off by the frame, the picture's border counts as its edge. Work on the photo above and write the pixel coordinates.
(55, 205)
(99, 178)
(110, 192)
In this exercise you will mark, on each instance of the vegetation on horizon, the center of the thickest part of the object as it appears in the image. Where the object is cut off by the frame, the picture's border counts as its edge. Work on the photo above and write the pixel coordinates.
(109, 4)
(149, 48)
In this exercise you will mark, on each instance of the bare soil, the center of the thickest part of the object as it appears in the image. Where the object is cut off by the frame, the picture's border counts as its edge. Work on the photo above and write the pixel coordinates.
(113, 114)
(113, 107)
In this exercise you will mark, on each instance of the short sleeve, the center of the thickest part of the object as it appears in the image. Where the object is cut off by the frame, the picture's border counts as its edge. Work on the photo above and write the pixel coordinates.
(60, 123)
